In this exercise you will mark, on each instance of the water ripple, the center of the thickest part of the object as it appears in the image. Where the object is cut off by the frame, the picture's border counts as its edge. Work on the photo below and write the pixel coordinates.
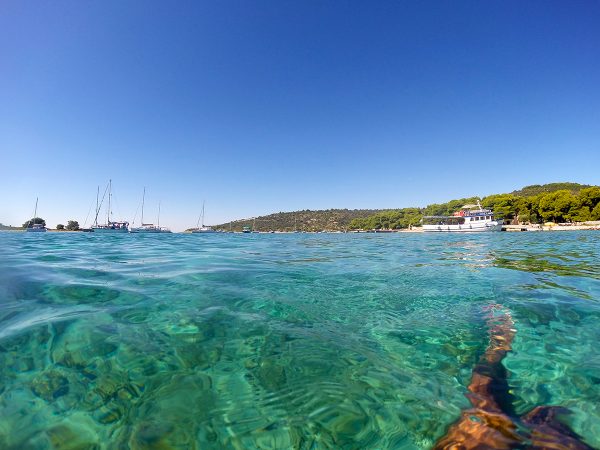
(284, 341)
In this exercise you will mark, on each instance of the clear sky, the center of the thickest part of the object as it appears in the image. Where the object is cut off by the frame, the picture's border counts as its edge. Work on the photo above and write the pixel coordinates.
(267, 106)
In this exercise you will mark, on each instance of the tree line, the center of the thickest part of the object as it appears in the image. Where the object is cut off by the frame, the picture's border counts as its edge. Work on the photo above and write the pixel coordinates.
(305, 220)
(72, 225)
(560, 206)
(577, 203)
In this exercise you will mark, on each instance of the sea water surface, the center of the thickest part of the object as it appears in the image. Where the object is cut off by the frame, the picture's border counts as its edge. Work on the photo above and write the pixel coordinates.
(302, 341)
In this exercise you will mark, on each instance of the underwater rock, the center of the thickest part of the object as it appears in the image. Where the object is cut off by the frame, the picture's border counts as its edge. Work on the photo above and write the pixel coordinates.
(110, 414)
(50, 385)
(153, 436)
(80, 345)
(170, 415)
(80, 294)
(195, 356)
(271, 375)
(64, 437)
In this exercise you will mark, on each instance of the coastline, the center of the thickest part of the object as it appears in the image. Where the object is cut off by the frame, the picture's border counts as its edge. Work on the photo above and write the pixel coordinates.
(506, 228)
(554, 227)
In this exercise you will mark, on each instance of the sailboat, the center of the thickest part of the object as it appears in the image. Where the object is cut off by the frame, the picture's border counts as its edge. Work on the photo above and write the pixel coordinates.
(36, 227)
(203, 228)
(149, 227)
(109, 226)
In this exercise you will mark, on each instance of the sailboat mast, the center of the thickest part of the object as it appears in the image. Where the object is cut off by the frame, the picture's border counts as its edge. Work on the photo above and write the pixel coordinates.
(202, 213)
(143, 198)
(97, 207)
(109, 196)
(158, 221)
(32, 221)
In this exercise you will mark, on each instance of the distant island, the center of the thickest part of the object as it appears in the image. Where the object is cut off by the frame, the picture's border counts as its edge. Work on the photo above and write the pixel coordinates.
(535, 204)
(9, 227)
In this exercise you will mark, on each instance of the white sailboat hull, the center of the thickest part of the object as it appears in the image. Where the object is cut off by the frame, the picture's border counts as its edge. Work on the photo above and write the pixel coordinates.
(149, 230)
(109, 230)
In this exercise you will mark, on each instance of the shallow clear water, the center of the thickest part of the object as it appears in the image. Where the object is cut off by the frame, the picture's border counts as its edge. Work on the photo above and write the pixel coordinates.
(285, 341)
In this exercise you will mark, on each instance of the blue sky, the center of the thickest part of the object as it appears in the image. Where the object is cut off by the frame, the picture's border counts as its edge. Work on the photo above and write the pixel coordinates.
(267, 106)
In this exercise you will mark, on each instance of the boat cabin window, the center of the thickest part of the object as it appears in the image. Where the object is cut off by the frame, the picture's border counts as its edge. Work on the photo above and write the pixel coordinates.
(443, 221)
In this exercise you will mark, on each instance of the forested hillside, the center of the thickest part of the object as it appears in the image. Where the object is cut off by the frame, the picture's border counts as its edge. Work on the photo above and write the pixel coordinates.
(536, 189)
(306, 220)
(554, 202)
(550, 203)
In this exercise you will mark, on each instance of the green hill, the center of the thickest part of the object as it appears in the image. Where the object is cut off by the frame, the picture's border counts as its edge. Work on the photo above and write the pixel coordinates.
(556, 202)
(536, 189)
(306, 220)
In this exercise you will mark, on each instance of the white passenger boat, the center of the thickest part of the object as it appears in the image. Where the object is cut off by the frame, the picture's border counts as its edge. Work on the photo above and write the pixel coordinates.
(471, 218)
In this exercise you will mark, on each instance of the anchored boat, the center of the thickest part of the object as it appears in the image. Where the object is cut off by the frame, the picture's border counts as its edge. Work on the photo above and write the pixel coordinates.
(149, 227)
(35, 227)
(470, 218)
(203, 228)
(109, 226)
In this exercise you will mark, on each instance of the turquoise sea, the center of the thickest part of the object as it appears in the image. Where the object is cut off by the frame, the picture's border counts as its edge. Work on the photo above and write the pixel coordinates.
(302, 341)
